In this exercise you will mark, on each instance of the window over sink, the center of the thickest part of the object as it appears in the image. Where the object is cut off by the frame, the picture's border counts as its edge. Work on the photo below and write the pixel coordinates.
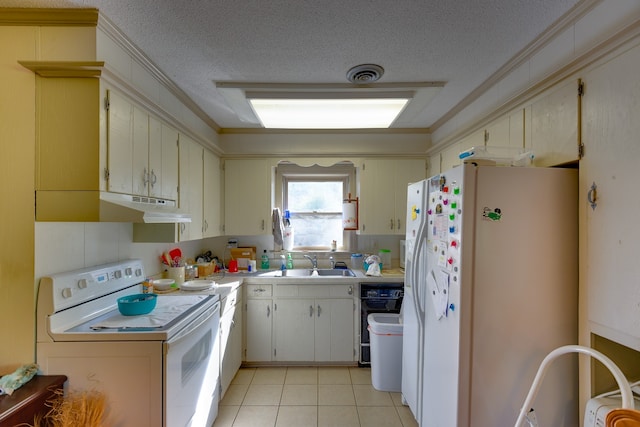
(313, 196)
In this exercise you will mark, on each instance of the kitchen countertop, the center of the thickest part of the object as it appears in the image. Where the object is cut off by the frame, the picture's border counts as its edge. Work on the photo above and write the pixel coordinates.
(388, 276)
(228, 282)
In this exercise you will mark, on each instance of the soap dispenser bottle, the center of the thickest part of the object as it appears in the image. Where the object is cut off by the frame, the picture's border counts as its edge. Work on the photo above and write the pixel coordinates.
(264, 263)
(289, 260)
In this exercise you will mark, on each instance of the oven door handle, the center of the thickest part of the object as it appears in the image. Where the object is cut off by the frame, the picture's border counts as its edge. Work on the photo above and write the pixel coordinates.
(204, 318)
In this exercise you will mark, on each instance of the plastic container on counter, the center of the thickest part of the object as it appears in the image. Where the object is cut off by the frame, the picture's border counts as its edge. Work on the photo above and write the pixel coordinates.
(385, 258)
(356, 261)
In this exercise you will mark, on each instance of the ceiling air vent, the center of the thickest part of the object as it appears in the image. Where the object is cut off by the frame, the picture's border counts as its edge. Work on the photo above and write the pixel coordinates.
(366, 73)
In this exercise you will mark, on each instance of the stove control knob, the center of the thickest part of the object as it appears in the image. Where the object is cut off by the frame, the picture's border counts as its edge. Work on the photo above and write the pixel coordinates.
(128, 272)
(82, 283)
(117, 274)
(138, 272)
(66, 293)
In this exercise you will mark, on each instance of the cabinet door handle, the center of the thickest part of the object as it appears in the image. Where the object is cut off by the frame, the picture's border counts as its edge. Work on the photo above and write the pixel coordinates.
(391, 224)
(350, 290)
(398, 223)
(310, 311)
(153, 178)
(263, 224)
(592, 196)
(319, 310)
(145, 178)
(268, 311)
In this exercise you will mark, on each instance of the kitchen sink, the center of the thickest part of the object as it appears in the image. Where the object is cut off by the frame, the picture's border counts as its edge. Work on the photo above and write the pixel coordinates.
(335, 272)
(320, 272)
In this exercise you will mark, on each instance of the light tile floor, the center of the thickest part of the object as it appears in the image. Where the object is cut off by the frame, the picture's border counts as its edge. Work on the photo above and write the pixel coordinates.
(310, 396)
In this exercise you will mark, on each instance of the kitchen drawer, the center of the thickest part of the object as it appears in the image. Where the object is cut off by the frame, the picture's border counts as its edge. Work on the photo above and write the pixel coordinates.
(341, 290)
(316, 291)
(229, 302)
(286, 290)
(256, 291)
(324, 291)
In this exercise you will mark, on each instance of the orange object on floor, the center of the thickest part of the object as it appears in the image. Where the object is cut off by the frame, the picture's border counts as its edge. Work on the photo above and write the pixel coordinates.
(623, 418)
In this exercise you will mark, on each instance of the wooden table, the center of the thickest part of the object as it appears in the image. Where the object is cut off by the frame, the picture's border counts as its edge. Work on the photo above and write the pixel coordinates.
(29, 400)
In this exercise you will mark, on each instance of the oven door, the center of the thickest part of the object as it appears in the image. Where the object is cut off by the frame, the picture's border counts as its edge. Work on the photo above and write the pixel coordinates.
(191, 372)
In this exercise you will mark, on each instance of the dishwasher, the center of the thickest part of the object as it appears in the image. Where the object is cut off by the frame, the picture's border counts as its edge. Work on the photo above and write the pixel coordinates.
(376, 298)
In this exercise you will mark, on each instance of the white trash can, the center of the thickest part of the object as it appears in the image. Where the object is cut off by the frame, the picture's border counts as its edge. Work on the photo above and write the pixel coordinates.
(385, 334)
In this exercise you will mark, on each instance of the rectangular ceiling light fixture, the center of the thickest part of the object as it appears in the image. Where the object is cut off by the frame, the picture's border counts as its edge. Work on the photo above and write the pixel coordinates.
(328, 110)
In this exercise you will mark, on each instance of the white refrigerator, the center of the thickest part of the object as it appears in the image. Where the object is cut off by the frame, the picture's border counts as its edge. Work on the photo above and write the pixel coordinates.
(491, 287)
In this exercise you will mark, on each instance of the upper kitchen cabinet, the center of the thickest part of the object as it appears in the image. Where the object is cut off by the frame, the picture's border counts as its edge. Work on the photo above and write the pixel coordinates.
(507, 131)
(504, 132)
(212, 196)
(191, 176)
(142, 151)
(248, 196)
(554, 125)
(609, 205)
(199, 194)
(96, 151)
(382, 191)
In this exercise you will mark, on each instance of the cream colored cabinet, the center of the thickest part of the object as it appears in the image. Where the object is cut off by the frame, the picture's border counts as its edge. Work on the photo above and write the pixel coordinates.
(212, 197)
(334, 339)
(120, 163)
(554, 126)
(142, 151)
(294, 324)
(382, 191)
(609, 177)
(230, 338)
(190, 196)
(450, 156)
(166, 186)
(258, 323)
(247, 197)
(88, 140)
(314, 323)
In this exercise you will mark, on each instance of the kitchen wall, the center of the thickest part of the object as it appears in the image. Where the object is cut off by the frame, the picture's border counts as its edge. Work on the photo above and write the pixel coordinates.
(68, 246)
(17, 174)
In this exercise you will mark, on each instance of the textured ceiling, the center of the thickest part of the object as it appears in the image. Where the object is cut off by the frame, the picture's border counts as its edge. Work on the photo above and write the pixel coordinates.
(199, 42)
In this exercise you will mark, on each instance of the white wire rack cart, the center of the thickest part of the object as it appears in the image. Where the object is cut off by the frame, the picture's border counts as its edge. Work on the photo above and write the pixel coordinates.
(527, 413)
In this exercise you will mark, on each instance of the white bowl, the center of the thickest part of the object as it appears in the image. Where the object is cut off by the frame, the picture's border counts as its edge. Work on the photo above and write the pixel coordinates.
(163, 284)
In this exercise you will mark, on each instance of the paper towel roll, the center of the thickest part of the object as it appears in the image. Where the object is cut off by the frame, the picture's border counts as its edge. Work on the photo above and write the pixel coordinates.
(349, 216)
(287, 238)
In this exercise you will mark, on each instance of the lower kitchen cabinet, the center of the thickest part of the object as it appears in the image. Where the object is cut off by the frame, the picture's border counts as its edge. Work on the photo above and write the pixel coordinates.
(258, 318)
(294, 330)
(230, 339)
(334, 339)
(317, 330)
(300, 323)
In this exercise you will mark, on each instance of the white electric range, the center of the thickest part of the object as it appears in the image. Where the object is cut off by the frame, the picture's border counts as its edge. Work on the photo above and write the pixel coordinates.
(158, 369)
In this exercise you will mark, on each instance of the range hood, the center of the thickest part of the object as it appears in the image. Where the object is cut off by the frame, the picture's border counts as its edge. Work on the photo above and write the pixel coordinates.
(149, 210)
(101, 206)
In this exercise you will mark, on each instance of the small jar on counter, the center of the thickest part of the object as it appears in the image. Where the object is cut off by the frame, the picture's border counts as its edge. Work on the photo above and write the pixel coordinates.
(190, 272)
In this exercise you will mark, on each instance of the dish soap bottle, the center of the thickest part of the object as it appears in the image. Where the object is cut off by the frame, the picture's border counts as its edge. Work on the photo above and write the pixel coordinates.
(283, 265)
(264, 263)
(289, 261)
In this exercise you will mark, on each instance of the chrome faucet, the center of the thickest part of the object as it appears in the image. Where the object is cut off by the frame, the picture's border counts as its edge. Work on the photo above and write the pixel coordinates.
(314, 261)
(332, 261)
